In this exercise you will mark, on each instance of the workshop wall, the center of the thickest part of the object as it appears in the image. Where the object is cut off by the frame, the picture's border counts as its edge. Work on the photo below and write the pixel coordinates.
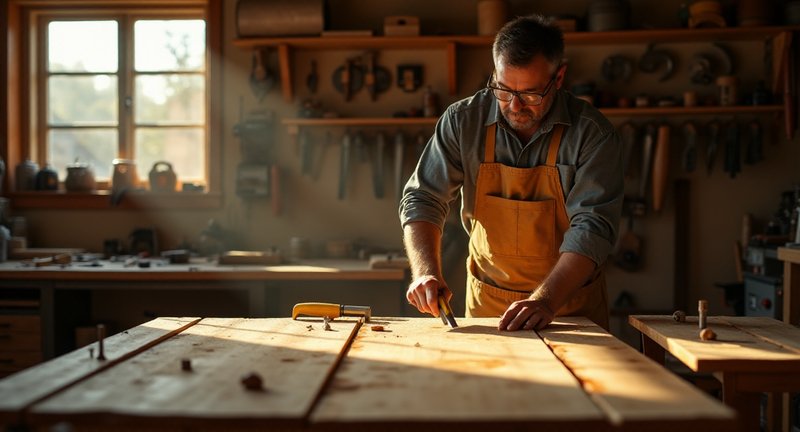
(312, 210)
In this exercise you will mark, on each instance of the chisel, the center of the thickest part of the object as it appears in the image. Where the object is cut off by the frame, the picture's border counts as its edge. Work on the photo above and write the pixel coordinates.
(330, 310)
(446, 313)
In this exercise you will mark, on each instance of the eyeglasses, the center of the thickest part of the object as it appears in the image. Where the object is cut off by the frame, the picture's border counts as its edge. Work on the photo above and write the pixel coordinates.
(527, 98)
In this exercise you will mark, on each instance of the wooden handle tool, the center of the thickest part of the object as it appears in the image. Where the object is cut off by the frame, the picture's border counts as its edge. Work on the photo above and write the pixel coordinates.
(661, 167)
(330, 310)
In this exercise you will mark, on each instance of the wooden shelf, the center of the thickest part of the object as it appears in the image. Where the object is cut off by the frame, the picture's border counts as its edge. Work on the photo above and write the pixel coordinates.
(451, 44)
(99, 200)
(582, 38)
(699, 110)
(294, 124)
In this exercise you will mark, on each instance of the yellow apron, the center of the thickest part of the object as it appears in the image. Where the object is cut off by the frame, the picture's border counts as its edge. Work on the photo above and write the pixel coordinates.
(518, 225)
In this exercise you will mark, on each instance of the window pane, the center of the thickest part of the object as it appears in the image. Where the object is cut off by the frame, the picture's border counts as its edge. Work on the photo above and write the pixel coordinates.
(184, 148)
(82, 46)
(76, 100)
(173, 45)
(97, 147)
(170, 99)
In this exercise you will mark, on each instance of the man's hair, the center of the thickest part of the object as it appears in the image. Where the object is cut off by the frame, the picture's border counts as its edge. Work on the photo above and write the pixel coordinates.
(524, 38)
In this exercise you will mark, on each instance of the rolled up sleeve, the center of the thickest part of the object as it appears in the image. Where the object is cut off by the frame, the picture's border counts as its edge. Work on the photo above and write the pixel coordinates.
(437, 178)
(594, 203)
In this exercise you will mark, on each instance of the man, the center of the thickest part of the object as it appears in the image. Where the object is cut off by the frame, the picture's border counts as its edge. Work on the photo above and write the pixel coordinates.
(540, 175)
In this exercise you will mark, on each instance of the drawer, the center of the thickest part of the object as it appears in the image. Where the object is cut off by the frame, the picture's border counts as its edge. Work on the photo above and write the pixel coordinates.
(11, 362)
(20, 341)
(10, 324)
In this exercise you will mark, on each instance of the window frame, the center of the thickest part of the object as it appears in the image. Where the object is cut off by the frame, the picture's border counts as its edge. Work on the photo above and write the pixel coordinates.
(25, 19)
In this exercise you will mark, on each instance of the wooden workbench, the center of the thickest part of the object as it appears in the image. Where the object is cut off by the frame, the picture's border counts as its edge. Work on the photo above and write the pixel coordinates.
(40, 307)
(416, 373)
(305, 270)
(751, 355)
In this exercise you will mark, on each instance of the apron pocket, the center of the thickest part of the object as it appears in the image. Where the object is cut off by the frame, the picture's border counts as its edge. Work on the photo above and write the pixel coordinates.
(518, 228)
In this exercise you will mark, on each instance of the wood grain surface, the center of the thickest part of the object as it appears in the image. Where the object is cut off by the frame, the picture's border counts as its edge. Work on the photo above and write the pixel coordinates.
(634, 392)
(418, 371)
(20, 390)
(294, 359)
(743, 344)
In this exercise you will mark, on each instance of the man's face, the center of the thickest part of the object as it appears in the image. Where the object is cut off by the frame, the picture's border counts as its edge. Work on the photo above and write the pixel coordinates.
(539, 76)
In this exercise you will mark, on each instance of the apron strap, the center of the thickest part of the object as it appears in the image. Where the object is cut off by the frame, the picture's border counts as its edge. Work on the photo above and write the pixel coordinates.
(488, 155)
(555, 142)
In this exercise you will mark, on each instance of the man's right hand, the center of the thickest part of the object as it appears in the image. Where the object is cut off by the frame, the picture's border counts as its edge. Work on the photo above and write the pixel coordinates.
(423, 293)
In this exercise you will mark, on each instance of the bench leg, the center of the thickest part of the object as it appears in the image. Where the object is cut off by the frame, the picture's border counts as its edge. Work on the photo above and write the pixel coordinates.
(653, 350)
(746, 404)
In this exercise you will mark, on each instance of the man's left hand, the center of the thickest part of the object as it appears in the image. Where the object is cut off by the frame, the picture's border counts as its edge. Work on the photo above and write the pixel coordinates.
(526, 315)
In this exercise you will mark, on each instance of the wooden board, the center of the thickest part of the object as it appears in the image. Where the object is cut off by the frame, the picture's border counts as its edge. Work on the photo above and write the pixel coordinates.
(20, 390)
(419, 372)
(151, 390)
(738, 347)
(635, 393)
(769, 330)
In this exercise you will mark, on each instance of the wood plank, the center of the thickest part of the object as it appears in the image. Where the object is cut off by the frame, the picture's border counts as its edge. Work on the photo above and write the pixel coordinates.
(635, 392)
(420, 373)
(733, 351)
(151, 390)
(768, 329)
(20, 390)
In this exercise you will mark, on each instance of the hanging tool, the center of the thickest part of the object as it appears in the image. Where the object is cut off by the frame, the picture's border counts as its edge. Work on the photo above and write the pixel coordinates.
(661, 167)
(377, 78)
(627, 133)
(754, 146)
(713, 144)
(733, 164)
(261, 79)
(377, 165)
(313, 78)
(627, 255)
(445, 312)
(348, 78)
(399, 149)
(653, 58)
(639, 207)
(330, 310)
(369, 78)
(344, 164)
(689, 157)
(305, 152)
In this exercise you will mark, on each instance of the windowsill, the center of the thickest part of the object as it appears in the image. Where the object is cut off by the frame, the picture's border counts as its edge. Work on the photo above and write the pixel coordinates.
(101, 200)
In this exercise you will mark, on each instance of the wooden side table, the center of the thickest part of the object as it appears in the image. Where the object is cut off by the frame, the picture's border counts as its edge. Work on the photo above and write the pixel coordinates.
(751, 355)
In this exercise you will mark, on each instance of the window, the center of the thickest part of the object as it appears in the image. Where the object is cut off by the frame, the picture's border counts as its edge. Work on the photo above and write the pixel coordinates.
(98, 106)
(92, 81)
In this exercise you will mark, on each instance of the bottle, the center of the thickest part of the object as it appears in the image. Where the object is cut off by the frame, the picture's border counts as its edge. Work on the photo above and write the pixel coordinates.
(430, 103)
(47, 179)
(25, 175)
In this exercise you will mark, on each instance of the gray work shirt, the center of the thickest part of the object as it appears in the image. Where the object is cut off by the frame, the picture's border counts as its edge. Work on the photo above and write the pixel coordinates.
(589, 164)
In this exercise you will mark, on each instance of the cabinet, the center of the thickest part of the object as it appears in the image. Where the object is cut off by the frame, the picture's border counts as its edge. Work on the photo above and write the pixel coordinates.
(779, 36)
(20, 330)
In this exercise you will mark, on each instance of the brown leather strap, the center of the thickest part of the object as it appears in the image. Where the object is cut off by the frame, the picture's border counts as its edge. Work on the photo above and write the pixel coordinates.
(555, 142)
(488, 155)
